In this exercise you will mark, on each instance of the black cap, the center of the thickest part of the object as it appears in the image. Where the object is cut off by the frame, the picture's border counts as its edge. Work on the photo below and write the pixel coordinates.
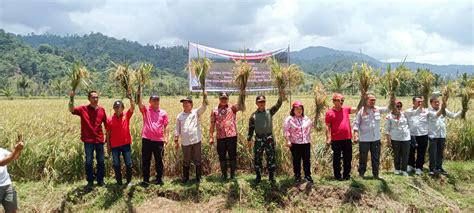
(223, 95)
(260, 98)
(118, 103)
(189, 99)
(154, 97)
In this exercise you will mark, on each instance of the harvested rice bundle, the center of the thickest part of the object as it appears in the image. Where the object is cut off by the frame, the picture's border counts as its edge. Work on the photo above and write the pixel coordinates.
(425, 78)
(200, 68)
(124, 77)
(78, 77)
(320, 104)
(242, 71)
(367, 77)
(284, 76)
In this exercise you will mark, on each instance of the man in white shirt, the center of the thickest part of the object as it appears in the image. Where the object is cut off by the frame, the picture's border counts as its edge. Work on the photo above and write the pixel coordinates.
(7, 191)
(418, 122)
(367, 132)
(188, 128)
(437, 134)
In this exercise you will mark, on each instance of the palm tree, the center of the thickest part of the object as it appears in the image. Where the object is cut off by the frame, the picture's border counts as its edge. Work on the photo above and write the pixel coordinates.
(338, 82)
(24, 83)
(58, 85)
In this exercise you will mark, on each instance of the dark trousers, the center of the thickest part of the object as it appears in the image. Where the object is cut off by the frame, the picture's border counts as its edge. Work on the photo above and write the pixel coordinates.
(301, 152)
(401, 149)
(342, 150)
(89, 149)
(150, 148)
(436, 150)
(227, 147)
(126, 152)
(192, 153)
(420, 149)
(374, 148)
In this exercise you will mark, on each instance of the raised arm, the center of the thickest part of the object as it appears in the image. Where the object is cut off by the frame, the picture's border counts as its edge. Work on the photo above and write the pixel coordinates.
(139, 98)
(71, 101)
(277, 106)
(13, 155)
(204, 104)
(453, 115)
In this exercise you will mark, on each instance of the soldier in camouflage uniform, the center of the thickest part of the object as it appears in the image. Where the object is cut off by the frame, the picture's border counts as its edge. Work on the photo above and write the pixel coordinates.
(260, 122)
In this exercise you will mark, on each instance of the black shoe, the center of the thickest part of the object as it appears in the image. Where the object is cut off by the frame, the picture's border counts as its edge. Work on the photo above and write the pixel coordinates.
(297, 178)
(432, 172)
(101, 183)
(347, 178)
(258, 178)
(339, 178)
(144, 184)
(309, 179)
(90, 185)
(159, 182)
(185, 174)
(223, 178)
(442, 171)
(119, 183)
(233, 167)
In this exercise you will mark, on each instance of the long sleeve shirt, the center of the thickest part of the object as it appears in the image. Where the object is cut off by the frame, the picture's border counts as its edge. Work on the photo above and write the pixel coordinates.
(437, 124)
(397, 127)
(418, 121)
(367, 123)
(261, 123)
(188, 126)
(298, 129)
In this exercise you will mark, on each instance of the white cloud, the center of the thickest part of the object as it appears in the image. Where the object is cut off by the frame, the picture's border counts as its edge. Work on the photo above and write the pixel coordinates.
(438, 32)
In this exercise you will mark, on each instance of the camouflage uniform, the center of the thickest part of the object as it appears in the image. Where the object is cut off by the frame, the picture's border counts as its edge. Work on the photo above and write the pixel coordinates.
(260, 122)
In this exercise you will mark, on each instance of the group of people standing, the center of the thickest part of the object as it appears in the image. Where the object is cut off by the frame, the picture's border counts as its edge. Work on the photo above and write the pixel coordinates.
(408, 132)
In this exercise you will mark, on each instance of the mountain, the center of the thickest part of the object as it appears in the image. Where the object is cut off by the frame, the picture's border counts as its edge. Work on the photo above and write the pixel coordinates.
(320, 59)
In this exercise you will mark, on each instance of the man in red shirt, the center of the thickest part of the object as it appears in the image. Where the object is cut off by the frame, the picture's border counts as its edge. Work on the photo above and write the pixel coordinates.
(223, 119)
(119, 139)
(339, 136)
(92, 118)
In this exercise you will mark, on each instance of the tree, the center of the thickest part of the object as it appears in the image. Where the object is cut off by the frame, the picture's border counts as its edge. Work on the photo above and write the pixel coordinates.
(338, 82)
(24, 83)
(58, 86)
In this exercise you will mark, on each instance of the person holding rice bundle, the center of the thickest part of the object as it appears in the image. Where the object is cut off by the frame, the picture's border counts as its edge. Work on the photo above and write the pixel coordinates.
(223, 119)
(339, 136)
(188, 127)
(154, 137)
(92, 118)
(367, 134)
(261, 123)
(119, 139)
(418, 122)
(297, 132)
(398, 137)
(437, 134)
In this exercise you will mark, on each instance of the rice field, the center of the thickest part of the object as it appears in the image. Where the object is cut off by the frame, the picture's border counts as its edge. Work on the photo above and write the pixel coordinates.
(54, 152)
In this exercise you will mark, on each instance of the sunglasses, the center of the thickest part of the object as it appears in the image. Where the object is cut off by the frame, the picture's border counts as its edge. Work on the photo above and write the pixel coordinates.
(338, 100)
(399, 106)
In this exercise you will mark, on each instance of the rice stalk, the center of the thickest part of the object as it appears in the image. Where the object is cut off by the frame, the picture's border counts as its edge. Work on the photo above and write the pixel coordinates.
(467, 92)
(79, 76)
(242, 71)
(124, 77)
(367, 77)
(446, 92)
(425, 79)
(142, 77)
(200, 68)
(320, 104)
(284, 76)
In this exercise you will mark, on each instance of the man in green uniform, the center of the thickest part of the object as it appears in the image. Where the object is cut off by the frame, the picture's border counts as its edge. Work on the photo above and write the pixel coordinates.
(260, 122)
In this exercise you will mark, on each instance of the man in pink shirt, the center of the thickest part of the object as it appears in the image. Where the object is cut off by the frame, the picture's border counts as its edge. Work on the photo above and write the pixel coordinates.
(339, 136)
(154, 137)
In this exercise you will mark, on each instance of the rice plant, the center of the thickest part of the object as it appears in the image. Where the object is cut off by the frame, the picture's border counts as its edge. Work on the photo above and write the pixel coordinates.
(124, 77)
(284, 77)
(200, 68)
(79, 76)
(142, 78)
(242, 71)
(320, 104)
(466, 92)
(425, 79)
(367, 77)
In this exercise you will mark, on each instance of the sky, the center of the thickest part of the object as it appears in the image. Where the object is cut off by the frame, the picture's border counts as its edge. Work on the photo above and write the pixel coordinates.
(436, 32)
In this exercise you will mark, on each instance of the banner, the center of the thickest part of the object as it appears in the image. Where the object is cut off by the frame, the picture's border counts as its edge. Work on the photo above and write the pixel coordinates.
(221, 75)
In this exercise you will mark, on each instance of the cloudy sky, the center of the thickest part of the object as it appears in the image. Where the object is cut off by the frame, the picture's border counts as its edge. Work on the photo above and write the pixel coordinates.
(438, 32)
